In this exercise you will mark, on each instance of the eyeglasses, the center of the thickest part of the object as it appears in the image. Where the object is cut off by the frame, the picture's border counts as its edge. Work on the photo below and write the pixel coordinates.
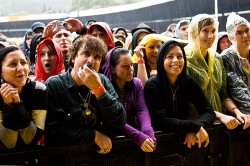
(242, 32)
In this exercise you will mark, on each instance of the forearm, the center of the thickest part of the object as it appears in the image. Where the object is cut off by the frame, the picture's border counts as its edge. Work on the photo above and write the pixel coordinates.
(219, 115)
(27, 134)
(137, 136)
(142, 73)
(112, 111)
(8, 137)
(15, 116)
(58, 134)
(232, 108)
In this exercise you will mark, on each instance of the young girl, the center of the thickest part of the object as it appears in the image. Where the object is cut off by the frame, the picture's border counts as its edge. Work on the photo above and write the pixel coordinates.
(119, 70)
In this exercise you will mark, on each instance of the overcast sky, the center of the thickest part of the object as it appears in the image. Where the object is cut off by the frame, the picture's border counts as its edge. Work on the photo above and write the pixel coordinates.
(24, 7)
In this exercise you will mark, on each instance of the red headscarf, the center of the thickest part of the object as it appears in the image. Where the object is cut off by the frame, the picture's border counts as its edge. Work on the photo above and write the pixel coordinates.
(109, 34)
(39, 71)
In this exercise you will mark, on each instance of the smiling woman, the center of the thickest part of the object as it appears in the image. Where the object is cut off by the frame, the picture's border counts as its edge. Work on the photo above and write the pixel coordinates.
(22, 114)
(170, 94)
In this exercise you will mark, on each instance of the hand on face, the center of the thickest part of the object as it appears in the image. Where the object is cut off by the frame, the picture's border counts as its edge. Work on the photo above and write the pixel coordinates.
(138, 51)
(9, 94)
(89, 77)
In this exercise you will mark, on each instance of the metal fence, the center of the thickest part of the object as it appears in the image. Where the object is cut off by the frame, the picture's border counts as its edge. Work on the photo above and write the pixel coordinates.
(227, 148)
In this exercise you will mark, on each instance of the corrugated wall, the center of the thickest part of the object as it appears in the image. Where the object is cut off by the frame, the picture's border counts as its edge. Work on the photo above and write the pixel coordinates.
(157, 17)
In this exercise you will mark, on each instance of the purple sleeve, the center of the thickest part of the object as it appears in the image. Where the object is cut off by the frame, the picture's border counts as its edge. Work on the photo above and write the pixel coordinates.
(137, 136)
(143, 113)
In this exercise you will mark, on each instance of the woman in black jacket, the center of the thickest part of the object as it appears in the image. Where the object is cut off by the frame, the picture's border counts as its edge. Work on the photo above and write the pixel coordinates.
(170, 94)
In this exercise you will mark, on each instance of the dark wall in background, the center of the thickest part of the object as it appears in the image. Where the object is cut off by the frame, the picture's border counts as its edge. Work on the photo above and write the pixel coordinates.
(158, 17)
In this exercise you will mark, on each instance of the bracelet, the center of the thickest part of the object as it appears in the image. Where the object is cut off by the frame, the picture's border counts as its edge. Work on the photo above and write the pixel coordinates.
(234, 108)
(99, 90)
(140, 61)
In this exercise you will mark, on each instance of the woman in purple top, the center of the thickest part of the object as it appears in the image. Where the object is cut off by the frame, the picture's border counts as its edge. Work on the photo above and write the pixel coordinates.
(119, 70)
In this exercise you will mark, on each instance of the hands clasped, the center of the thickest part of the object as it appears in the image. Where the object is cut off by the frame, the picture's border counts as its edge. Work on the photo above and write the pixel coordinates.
(9, 94)
(200, 137)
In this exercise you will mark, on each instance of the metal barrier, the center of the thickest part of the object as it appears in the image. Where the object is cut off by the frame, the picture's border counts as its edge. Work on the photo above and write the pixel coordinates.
(226, 148)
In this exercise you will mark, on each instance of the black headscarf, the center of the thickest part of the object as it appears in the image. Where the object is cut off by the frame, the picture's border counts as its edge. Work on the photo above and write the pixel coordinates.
(161, 74)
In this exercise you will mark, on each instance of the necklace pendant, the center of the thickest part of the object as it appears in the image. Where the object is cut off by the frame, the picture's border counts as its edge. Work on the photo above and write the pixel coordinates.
(87, 112)
(85, 105)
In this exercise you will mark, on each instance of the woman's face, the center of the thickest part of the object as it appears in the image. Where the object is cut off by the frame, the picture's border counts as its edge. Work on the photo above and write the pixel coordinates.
(28, 40)
(49, 59)
(242, 36)
(123, 71)
(151, 49)
(207, 36)
(224, 43)
(15, 69)
(174, 62)
(121, 32)
(140, 36)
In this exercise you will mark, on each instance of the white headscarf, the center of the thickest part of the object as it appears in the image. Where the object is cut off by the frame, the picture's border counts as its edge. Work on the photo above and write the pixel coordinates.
(233, 22)
(193, 32)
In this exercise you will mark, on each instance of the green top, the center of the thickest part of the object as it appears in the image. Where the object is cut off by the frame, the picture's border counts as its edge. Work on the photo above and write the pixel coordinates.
(211, 76)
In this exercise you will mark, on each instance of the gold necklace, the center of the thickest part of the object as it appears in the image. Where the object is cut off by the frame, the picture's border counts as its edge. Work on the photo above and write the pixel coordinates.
(88, 114)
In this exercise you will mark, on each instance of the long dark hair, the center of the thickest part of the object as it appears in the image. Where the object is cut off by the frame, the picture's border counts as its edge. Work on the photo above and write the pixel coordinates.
(161, 75)
(114, 56)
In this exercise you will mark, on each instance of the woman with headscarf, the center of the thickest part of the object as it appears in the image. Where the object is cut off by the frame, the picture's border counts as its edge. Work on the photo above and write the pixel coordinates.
(49, 60)
(27, 41)
(206, 66)
(119, 70)
(170, 93)
(145, 55)
(236, 62)
(223, 42)
(137, 36)
(36, 39)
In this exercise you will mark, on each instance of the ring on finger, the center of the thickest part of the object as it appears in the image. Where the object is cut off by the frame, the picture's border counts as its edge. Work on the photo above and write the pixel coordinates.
(105, 150)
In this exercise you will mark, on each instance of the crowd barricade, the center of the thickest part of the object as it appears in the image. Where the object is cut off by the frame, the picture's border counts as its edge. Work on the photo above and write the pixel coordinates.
(227, 148)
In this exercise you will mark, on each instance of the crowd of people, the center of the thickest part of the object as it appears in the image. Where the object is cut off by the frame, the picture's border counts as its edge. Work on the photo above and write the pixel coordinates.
(71, 83)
